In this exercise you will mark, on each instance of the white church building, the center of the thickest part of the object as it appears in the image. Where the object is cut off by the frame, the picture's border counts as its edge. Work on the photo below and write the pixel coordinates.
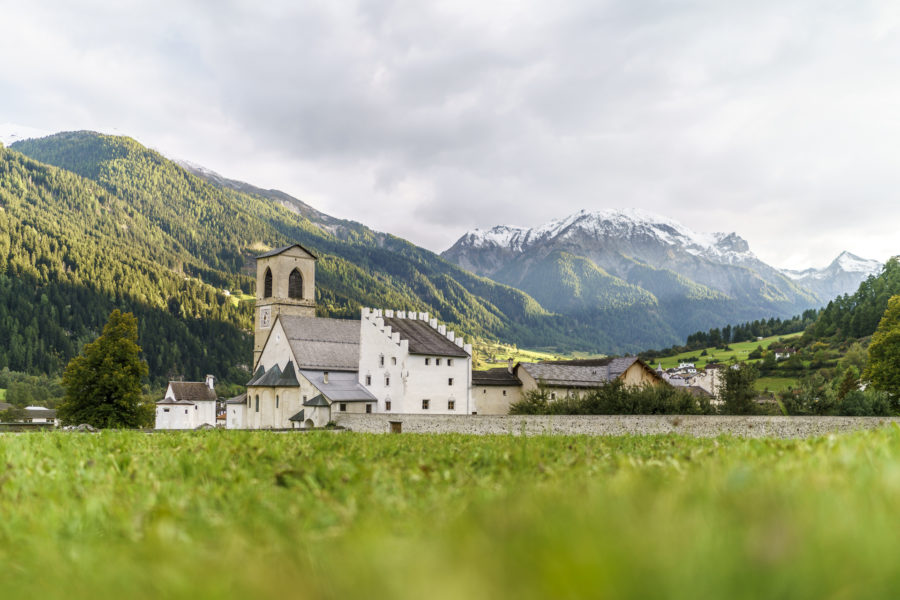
(307, 369)
(187, 405)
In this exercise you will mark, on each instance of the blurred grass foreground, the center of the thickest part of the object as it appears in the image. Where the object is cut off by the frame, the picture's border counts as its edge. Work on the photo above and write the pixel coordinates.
(341, 515)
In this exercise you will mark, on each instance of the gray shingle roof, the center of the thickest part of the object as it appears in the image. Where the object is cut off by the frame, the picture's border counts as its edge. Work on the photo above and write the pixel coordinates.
(423, 338)
(270, 379)
(319, 343)
(341, 386)
(498, 376)
(288, 376)
(298, 417)
(277, 251)
(567, 375)
(260, 371)
(192, 391)
(242, 399)
(317, 401)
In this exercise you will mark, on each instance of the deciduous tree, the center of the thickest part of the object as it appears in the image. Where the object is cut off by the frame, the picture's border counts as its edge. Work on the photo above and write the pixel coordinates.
(103, 384)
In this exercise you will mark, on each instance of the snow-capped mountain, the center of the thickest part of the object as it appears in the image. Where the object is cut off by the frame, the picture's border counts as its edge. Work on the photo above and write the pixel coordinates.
(689, 277)
(842, 276)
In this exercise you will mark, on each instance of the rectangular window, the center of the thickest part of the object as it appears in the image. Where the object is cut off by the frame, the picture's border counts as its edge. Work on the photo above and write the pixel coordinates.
(387, 381)
(426, 404)
(381, 360)
(553, 395)
(276, 401)
(449, 362)
(387, 405)
(368, 408)
(343, 407)
(437, 362)
(368, 380)
(257, 404)
(185, 411)
(427, 361)
(165, 410)
(450, 381)
(393, 360)
(504, 392)
(451, 404)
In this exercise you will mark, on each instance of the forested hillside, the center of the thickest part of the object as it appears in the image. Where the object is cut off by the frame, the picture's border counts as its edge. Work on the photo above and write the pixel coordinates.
(114, 224)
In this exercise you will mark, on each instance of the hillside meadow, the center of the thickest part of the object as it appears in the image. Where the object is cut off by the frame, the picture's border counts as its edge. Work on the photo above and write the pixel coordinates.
(342, 515)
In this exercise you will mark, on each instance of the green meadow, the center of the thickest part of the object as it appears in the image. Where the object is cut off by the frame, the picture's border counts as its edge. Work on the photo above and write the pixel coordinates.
(738, 351)
(341, 515)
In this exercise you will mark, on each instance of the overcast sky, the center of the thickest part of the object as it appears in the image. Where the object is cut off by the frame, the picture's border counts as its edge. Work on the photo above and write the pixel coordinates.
(776, 119)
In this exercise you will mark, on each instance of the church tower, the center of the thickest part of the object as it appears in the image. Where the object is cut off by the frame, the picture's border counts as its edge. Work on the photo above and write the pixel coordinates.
(285, 284)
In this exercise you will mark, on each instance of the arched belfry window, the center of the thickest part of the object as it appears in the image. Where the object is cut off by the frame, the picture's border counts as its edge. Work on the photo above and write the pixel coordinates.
(267, 285)
(295, 285)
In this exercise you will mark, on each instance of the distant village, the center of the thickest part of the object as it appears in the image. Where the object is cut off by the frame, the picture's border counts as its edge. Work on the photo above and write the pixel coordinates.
(308, 369)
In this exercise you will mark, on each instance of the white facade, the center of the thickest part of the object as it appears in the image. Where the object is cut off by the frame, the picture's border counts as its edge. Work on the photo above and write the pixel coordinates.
(174, 412)
(409, 383)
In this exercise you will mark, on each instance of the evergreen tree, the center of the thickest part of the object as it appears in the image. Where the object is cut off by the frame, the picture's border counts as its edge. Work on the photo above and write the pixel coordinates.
(884, 352)
(737, 391)
(103, 384)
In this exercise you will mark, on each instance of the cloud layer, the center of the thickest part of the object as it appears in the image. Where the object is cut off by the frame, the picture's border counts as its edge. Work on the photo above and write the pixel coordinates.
(773, 119)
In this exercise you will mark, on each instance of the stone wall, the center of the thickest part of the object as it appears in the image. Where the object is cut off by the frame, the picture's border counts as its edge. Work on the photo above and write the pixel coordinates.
(700, 426)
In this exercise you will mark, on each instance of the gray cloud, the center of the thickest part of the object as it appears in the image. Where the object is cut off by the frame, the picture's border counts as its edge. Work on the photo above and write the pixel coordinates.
(774, 119)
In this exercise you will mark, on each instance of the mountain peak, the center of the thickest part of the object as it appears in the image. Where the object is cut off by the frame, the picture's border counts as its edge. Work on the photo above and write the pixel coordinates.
(630, 224)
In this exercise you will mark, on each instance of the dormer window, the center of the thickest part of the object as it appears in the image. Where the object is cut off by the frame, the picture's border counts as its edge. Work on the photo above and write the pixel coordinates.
(295, 285)
(267, 285)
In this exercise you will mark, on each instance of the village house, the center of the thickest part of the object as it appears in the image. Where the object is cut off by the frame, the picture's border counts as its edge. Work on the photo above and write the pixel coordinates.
(495, 390)
(566, 378)
(187, 405)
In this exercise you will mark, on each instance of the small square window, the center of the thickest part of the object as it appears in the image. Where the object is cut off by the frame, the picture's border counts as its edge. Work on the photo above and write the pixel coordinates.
(427, 361)
(426, 404)
(451, 404)
(504, 392)
(343, 407)
(437, 362)
(450, 381)
(387, 405)
(368, 408)
(553, 395)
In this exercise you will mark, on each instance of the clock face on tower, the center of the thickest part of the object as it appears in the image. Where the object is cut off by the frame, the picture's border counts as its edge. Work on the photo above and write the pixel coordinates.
(265, 317)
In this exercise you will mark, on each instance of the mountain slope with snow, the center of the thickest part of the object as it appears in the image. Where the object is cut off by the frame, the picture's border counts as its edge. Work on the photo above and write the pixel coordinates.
(695, 277)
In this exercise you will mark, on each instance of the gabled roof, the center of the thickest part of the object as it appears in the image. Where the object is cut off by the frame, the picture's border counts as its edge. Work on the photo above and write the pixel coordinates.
(320, 343)
(277, 251)
(423, 338)
(341, 386)
(318, 400)
(498, 376)
(169, 401)
(298, 417)
(565, 374)
(192, 391)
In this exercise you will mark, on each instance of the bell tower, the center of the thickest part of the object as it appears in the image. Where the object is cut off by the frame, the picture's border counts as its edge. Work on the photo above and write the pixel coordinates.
(285, 284)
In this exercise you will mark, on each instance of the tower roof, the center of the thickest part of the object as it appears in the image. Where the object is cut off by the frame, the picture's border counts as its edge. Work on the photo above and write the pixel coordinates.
(277, 251)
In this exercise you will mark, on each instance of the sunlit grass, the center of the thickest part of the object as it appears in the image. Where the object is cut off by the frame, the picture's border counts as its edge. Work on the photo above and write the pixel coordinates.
(342, 515)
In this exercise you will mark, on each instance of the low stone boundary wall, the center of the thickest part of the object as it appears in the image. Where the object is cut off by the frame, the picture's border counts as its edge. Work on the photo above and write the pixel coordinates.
(699, 426)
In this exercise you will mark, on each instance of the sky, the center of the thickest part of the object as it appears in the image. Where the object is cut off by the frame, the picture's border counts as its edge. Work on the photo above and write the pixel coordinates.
(779, 120)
